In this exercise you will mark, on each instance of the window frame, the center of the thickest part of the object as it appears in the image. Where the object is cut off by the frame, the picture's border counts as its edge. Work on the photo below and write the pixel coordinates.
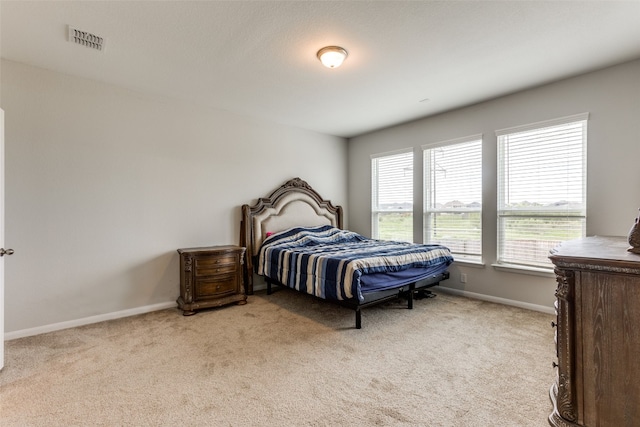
(503, 212)
(375, 208)
(427, 186)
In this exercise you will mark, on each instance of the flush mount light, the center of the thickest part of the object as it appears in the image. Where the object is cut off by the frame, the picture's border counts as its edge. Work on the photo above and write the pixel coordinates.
(332, 56)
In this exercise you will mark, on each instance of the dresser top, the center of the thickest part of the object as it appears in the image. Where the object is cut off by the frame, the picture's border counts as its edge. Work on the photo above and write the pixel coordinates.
(596, 250)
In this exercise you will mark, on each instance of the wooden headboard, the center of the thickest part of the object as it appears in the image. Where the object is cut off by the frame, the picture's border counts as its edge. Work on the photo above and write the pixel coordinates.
(294, 204)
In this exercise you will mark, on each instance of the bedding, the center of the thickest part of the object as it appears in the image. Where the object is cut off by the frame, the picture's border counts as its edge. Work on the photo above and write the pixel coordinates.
(336, 264)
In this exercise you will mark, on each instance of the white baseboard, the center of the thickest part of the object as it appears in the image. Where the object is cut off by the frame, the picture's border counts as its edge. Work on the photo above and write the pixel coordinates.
(87, 320)
(505, 301)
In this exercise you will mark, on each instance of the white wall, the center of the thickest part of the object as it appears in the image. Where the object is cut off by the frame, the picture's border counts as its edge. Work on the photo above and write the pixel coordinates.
(611, 96)
(104, 184)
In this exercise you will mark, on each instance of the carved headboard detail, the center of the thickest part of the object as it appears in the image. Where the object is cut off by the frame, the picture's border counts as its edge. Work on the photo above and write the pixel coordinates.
(294, 204)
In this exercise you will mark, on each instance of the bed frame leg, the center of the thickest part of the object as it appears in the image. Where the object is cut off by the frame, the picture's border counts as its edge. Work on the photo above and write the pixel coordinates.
(412, 288)
(358, 318)
(268, 286)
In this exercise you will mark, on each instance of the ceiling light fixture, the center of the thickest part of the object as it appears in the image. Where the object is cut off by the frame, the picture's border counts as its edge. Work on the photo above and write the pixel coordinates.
(332, 56)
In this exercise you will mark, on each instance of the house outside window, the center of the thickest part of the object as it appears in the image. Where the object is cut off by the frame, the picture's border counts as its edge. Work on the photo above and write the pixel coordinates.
(541, 189)
(392, 196)
(453, 196)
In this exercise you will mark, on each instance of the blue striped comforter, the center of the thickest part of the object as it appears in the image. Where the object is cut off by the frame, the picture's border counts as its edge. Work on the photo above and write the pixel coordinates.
(328, 262)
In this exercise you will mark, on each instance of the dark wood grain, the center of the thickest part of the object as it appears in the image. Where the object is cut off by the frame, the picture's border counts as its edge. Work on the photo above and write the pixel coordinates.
(598, 336)
(211, 277)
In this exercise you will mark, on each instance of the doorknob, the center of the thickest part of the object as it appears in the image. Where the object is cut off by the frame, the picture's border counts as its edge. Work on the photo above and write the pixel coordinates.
(4, 251)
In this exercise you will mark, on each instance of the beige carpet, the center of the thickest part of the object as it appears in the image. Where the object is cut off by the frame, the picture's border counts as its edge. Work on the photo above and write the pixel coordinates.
(288, 360)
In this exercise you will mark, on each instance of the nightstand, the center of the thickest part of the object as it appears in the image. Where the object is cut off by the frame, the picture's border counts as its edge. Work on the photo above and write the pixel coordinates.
(210, 277)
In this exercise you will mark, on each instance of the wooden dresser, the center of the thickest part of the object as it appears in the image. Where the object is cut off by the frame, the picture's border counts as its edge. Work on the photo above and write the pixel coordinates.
(211, 277)
(598, 334)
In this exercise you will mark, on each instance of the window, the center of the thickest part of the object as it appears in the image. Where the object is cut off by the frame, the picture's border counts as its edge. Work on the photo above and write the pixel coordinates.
(392, 196)
(541, 189)
(453, 196)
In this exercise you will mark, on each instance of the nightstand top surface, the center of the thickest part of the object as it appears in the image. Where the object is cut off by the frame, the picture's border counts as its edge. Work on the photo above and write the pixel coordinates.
(217, 248)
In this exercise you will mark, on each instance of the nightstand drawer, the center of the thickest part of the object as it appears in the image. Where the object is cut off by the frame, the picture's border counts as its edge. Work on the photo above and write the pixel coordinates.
(205, 267)
(217, 286)
(217, 260)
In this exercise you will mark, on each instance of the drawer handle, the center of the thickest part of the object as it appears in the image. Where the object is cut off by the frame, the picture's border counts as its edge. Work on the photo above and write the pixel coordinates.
(554, 324)
(554, 364)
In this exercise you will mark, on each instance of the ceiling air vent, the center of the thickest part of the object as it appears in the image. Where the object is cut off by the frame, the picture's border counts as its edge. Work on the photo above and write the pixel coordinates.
(86, 39)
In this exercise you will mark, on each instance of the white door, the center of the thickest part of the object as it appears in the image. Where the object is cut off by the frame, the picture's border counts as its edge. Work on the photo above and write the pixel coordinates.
(1, 238)
(2, 250)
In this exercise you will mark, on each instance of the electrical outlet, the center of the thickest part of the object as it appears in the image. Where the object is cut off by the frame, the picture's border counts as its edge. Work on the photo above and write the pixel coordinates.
(463, 277)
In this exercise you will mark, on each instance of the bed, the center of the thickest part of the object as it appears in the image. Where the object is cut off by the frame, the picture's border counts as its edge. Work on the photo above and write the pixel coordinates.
(294, 238)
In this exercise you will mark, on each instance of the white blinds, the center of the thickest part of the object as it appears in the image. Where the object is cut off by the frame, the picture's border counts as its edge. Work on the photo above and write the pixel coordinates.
(541, 189)
(392, 196)
(453, 196)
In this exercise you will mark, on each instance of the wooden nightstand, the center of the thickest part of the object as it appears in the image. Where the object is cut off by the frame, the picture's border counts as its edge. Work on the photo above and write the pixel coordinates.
(210, 277)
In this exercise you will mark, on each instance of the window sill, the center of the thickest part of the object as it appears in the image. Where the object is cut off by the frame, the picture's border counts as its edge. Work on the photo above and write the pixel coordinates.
(533, 271)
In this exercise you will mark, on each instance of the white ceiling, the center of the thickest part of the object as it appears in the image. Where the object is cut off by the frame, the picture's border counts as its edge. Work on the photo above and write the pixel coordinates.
(257, 58)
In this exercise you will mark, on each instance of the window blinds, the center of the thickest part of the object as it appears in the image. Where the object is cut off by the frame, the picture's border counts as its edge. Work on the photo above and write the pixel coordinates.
(392, 196)
(453, 196)
(541, 189)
